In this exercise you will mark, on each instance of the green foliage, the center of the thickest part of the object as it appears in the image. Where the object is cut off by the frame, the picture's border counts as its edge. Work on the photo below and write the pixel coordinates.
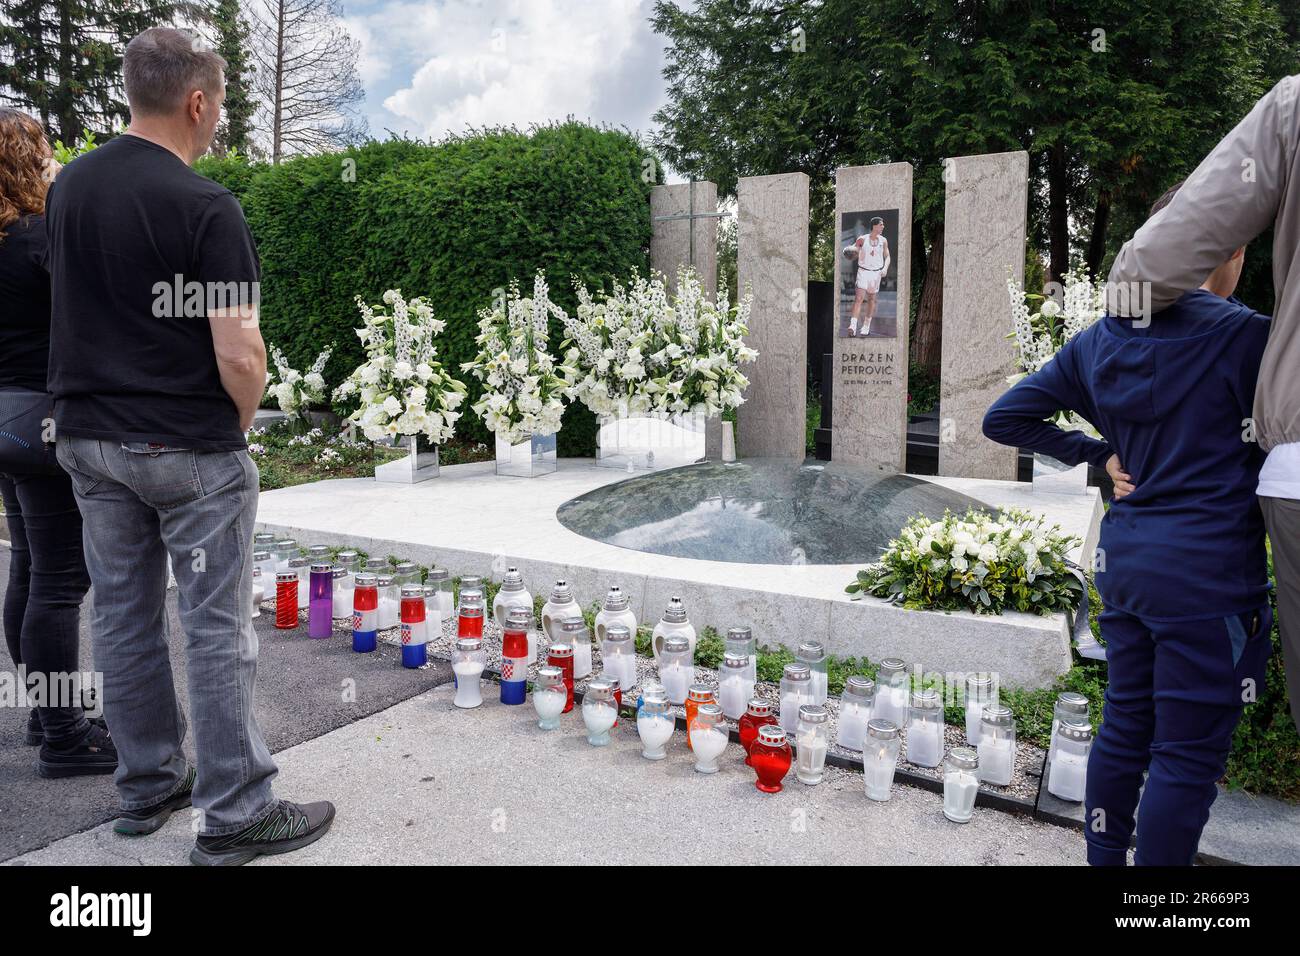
(286, 454)
(453, 222)
(922, 390)
(234, 134)
(710, 648)
(64, 154)
(812, 422)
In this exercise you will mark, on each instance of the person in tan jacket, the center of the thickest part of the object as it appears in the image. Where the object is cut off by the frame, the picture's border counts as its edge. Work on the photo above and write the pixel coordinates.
(1247, 183)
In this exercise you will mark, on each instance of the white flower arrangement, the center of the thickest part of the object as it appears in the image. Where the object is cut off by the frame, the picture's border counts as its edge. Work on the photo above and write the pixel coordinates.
(638, 351)
(402, 387)
(525, 389)
(1040, 334)
(978, 562)
(292, 390)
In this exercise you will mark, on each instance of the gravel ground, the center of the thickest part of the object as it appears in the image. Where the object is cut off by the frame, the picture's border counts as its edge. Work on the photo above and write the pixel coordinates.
(1029, 757)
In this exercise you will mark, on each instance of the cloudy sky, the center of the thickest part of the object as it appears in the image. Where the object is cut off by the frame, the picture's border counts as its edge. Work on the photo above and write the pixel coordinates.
(434, 66)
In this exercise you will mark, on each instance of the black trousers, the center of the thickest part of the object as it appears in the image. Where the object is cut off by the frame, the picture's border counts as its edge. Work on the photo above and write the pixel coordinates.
(47, 581)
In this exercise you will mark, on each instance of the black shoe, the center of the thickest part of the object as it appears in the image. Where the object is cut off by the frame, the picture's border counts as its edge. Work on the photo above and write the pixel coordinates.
(289, 827)
(35, 735)
(148, 819)
(94, 753)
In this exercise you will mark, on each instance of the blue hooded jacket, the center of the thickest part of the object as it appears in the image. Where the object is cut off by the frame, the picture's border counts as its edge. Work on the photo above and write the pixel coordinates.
(1173, 400)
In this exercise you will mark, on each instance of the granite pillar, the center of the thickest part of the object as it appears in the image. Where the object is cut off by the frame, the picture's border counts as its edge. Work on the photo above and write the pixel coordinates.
(984, 245)
(869, 426)
(772, 266)
(670, 249)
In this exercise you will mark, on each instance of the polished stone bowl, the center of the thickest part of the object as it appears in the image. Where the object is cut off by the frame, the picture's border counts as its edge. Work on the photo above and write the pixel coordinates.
(759, 511)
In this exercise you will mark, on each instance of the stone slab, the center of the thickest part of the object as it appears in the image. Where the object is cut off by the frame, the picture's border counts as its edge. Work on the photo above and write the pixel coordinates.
(870, 387)
(474, 522)
(985, 217)
(772, 266)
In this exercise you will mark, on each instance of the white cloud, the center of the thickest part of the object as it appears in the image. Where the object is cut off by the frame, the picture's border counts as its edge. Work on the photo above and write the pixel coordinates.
(440, 67)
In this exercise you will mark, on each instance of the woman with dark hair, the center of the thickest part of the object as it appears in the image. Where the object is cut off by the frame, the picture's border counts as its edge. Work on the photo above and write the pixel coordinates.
(47, 570)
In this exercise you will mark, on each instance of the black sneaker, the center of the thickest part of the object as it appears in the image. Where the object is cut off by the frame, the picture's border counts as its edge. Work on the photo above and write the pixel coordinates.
(94, 753)
(289, 827)
(35, 735)
(148, 819)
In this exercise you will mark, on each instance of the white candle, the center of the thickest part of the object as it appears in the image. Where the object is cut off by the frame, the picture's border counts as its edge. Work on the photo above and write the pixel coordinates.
(734, 696)
(819, 682)
(1069, 776)
(388, 612)
(676, 678)
(974, 718)
(467, 684)
(548, 705)
(655, 731)
(878, 774)
(708, 746)
(892, 705)
(959, 790)
(581, 659)
(599, 718)
(852, 725)
(432, 619)
(924, 743)
(996, 761)
(810, 758)
(790, 704)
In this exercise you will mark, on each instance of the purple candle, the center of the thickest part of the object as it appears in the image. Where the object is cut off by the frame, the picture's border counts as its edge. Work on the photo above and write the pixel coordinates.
(320, 603)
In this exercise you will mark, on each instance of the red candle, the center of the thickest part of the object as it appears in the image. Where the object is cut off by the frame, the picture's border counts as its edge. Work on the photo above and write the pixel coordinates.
(286, 599)
(758, 714)
(469, 623)
(618, 700)
(770, 758)
(561, 656)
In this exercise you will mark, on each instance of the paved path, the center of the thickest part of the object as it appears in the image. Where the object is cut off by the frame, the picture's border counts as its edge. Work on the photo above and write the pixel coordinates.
(422, 782)
(300, 687)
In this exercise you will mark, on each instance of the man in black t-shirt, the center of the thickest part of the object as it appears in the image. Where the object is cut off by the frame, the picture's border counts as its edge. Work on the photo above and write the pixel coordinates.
(157, 367)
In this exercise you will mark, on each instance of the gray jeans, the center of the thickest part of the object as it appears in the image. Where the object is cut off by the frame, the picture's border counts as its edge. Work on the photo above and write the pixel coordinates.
(139, 503)
(1282, 518)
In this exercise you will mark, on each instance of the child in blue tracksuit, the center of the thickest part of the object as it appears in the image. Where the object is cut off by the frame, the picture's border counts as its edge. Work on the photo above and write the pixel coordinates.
(1184, 581)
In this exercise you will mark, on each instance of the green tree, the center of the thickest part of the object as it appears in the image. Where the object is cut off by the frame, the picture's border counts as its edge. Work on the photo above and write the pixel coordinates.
(62, 61)
(231, 28)
(1112, 101)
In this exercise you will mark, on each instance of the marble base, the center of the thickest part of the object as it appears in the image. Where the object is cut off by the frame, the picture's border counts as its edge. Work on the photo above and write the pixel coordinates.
(471, 522)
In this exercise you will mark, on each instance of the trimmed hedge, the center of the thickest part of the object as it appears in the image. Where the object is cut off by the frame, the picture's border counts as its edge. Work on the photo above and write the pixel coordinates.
(452, 221)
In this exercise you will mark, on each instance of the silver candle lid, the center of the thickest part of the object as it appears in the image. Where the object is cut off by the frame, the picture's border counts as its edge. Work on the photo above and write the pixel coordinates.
(287, 544)
(561, 593)
(882, 729)
(376, 565)
(412, 591)
(573, 626)
(997, 715)
(796, 672)
(437, 575)
(263, 537)
(366, 579)
(1072, 702)
(857, 685)
(616, 600)
(890, 668)
(676, 644)
(652, 688)
(469, 644)
(404, 567)
(298, 562)
(468, 581)
(759, 707)
(618, 634)
(384, 580)
(811, 651)
(1078, 730)
(512, 581)
(261, 556)
(735, 662)
(771, 734)
(964, 758)
(430, 590)
(321, 567)
(600, 688)
(979, 686)
(549, 672)
(337, 573)
(286, 577)
(519, 618)
(318, 550)
(700, 693)
(740, 637)
(926, 698)
(560, 650)
(711, 710)
(813, 713)
(348, 558)
(675, 612)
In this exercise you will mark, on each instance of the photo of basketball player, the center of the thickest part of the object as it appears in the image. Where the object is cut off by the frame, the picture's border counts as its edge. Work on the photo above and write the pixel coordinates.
(868, 280)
